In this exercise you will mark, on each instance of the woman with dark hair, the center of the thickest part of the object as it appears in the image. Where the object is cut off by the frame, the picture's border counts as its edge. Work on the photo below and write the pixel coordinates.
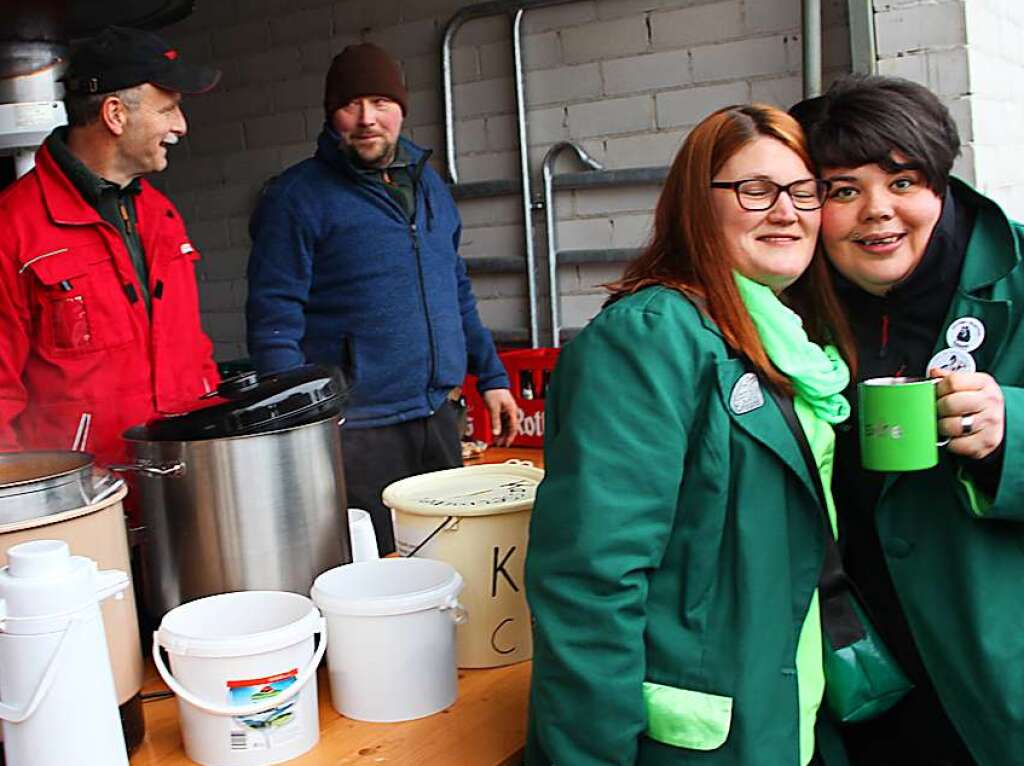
(929, 272)
(677, 539)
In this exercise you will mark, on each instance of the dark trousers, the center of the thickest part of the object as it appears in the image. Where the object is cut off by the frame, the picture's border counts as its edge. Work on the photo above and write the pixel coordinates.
(376, 457)
(915, 732)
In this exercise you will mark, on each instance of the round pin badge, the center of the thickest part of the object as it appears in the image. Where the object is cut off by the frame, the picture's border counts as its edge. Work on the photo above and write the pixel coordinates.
(952, 360)
(966, 333)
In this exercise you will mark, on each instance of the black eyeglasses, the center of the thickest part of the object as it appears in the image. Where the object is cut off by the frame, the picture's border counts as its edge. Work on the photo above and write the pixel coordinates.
(761, 194)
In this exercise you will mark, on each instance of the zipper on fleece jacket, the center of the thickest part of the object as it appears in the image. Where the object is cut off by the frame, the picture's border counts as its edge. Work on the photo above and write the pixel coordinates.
(414, 233)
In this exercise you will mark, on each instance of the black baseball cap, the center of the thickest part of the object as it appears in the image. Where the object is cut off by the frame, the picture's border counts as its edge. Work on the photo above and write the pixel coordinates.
(120, 57)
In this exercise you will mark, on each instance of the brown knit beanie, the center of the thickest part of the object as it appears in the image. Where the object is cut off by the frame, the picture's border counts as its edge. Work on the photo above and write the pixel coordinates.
(363, 70)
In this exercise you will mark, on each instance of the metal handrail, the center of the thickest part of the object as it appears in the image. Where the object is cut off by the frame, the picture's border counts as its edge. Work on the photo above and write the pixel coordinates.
(549, 212)
(524, 170)
(519, 8)
(470, 12)
(590, 179)
(812, 77)
(810, 25)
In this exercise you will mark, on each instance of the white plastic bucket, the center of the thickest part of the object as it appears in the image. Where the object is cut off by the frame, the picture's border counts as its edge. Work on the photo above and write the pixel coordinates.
(244, 670)
(477, 519)
(392, 623)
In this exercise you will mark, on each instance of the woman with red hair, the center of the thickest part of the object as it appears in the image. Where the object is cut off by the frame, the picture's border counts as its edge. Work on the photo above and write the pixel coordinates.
(678, 538)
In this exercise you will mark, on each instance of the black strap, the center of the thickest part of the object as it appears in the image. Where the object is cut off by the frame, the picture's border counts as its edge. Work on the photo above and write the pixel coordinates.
(839, 620)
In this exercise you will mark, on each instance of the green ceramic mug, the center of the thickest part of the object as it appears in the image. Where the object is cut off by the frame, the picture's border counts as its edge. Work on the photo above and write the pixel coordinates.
(898, 424)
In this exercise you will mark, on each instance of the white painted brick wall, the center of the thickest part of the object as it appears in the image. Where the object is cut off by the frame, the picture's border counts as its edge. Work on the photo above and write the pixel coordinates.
(626, 78)
(690, 106)
(697, 26)
(640, 73)
(971, 53)
(605, 39)
(924, 25)
(995, 37)
(611, 116)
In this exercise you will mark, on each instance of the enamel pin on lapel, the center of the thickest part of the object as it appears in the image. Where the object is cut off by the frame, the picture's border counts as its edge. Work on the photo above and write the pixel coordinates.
(746, 394)
(966, 334)
(952, 360)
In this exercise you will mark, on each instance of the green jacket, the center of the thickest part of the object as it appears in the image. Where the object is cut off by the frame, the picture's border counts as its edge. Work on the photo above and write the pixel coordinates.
(958, 566)
(675, 546)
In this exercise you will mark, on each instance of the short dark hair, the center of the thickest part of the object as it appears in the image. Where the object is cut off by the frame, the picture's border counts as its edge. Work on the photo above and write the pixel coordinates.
(864, 119)
(84, 108)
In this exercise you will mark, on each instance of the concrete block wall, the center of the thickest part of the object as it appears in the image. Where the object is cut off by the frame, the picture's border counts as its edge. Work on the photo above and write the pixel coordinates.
(995, 37)
(626, 78)
(970, 52)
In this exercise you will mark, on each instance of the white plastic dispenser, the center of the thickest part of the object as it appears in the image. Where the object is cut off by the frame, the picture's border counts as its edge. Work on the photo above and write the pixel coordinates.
(57, 697)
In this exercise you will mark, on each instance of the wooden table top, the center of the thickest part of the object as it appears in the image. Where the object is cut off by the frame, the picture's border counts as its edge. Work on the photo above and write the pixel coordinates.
(485, 727)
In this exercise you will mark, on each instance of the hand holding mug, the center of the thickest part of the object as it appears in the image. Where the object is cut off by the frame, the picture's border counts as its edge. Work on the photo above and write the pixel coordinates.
(971, 412)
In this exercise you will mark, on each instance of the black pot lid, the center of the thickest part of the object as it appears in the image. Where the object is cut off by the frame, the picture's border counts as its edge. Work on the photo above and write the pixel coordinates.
(252, 404)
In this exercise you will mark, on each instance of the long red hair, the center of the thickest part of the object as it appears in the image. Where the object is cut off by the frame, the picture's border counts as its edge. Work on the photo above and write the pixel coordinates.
(686, 249)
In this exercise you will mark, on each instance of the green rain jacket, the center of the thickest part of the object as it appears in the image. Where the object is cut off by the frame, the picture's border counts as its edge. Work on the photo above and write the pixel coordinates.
(956, 557)
(666, 632)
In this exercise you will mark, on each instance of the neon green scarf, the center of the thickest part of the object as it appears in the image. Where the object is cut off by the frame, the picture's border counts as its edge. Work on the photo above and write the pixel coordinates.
(818, 374)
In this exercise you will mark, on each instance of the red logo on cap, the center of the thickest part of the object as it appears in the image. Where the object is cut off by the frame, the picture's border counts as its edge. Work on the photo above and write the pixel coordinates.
(171, 55)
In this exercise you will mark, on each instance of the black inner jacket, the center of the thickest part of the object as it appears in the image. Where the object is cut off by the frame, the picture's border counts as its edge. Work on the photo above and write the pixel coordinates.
(896, 335)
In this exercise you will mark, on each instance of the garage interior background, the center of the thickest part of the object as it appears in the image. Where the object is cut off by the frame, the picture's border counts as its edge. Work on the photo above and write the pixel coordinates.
(626, 79)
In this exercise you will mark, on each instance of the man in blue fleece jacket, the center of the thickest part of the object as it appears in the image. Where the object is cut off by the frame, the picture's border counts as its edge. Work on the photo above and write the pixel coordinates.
(355, 263)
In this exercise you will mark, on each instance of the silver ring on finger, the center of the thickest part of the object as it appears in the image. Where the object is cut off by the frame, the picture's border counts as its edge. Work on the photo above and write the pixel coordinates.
(966, 424)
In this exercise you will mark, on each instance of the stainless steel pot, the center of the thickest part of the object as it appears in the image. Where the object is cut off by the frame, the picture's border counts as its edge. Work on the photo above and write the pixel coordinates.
(34, 484)
(260, 512)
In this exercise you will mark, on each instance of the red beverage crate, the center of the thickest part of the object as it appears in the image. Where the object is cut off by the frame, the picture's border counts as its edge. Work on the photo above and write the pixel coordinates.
(529, 371)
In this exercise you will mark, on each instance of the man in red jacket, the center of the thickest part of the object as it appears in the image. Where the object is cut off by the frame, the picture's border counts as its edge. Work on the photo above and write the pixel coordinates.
(98, 303)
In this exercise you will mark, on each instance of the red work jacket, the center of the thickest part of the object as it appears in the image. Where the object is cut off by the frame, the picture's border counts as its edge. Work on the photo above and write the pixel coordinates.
(79, 355)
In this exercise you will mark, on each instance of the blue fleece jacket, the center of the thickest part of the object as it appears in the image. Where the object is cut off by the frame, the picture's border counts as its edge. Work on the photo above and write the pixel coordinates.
(340, 275)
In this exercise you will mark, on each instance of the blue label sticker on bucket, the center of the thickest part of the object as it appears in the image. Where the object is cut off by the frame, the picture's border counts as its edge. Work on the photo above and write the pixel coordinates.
(271, 727)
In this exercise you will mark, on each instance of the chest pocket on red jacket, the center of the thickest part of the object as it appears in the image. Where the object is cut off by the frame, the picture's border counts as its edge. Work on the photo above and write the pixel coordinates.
(81, 302)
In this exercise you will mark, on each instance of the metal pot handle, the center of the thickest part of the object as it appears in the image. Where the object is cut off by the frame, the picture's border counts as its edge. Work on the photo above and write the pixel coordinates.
(104, 484)
(176, 469)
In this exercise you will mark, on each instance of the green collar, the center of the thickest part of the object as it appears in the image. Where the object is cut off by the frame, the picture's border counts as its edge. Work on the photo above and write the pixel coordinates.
(992, 235)
(818, 374)
(90, 186)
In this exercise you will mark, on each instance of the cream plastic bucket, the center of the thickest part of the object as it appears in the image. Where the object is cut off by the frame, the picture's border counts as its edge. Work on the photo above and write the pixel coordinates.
(244, 670)
(477, 519)
(392, 622)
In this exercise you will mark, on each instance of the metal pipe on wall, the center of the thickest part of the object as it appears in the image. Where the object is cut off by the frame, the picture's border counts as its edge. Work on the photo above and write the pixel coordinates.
(454, 24)
(862, 36)
(477, 11)
(811, 41)
(549, 213)
(524, 169)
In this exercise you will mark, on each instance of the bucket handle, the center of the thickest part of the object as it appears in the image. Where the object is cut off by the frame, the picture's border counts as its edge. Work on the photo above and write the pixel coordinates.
(238, 711)
(455, 610)
(428, 538)
(17, 715)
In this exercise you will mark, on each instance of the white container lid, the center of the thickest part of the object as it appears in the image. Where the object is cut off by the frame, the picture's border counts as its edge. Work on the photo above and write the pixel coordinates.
(238, 624)
(476, 490)
(43, 585)
(386, 587)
